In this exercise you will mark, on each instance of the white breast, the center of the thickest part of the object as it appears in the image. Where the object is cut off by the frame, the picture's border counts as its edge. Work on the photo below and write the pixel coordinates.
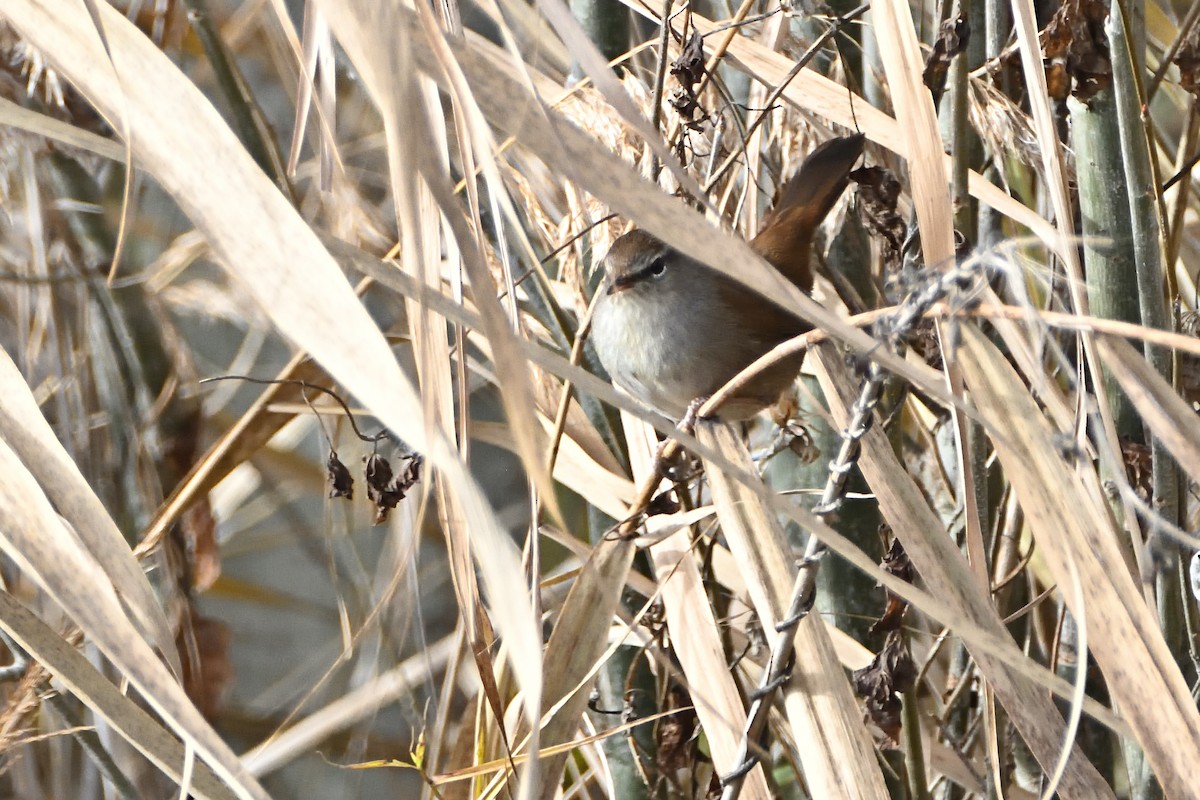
(668, 354)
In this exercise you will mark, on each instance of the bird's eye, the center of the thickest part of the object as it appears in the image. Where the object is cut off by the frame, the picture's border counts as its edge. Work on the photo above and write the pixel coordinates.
(657, 267)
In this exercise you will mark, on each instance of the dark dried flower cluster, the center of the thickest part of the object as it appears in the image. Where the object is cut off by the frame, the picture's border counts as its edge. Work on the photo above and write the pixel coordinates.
(952, 40)
(384, 487)
(880, 684)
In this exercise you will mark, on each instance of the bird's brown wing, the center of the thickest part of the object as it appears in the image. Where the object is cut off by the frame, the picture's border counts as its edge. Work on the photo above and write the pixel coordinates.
(785, 240)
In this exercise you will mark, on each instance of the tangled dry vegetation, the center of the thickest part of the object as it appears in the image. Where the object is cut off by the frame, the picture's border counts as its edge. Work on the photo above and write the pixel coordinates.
(411, 531)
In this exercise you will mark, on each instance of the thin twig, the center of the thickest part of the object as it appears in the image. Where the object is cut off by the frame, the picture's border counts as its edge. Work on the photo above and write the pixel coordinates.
(306, 385)
(660, 78)
(808, 56)
(564, 402)
(1185, 29)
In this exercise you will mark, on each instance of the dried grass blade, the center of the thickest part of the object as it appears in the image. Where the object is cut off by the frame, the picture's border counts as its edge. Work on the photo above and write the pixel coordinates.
(838, 757)
(25, 430)
(1143, 678)
(84, 681)
(949, 578)
(578, 641)
(1026, 29)
(697, 645)
(27, 119)
(1169, 416)
(43, 547)
(902, 63)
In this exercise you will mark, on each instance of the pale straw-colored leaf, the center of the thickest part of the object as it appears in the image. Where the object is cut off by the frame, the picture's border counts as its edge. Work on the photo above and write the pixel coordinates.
(15, 116)
(42, 546)
(948, 577)
(1071, 524)
(903, 64)
(838, 756)
(696, 642)
(1166, 413)
(1029, 45)
(83, 680)
(26, 431)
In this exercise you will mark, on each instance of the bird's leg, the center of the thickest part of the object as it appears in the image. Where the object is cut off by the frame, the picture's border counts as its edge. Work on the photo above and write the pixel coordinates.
(791, 435)
(667, 452)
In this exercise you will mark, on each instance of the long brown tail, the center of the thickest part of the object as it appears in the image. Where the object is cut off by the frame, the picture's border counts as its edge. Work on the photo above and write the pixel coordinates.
(786, 237)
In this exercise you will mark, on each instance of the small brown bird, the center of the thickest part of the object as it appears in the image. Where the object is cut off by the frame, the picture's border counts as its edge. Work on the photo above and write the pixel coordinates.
(670, 330)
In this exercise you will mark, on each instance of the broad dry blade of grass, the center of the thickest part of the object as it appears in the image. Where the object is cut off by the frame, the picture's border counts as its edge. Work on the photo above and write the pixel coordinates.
(1141, 673)
(26, 119)
(43, 547)
(1030, 48)
(83, 680)
(917, 118)
(838, 756)
(696, 642)
(948, 577)
(25, 430)
(1164, 411)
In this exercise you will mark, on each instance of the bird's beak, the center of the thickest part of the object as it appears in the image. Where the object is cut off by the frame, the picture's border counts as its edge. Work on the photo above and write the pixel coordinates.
(619, 284)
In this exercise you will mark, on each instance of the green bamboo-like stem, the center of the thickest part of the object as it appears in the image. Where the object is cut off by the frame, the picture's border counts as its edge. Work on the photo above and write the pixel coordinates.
(606, 23)
(1112, 284)
(1145, 210)
(248, 119)
(1149, 252)
(1142, 785)
(957, 718)
(967, 153)
(1126, 281)
(963, 143)
(845, 596)
(914, 751)
(997, 27)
